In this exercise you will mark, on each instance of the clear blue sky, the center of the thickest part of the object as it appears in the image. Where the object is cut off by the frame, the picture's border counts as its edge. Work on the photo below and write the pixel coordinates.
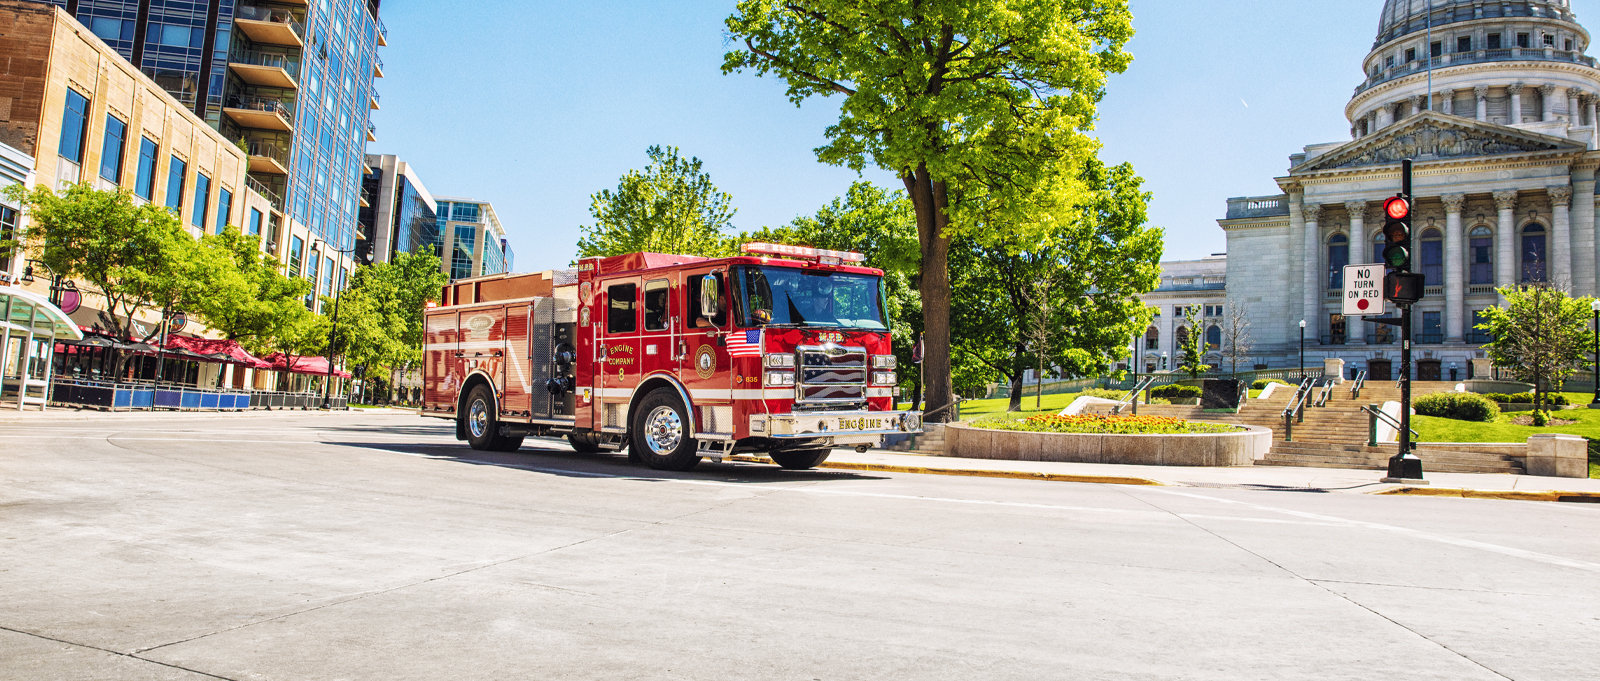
(534, 106)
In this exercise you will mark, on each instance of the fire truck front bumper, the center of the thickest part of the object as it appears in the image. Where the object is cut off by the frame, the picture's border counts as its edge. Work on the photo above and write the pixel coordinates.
(854, 427)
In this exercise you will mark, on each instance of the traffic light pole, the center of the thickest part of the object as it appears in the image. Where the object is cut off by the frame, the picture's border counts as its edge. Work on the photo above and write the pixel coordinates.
(1405, 466)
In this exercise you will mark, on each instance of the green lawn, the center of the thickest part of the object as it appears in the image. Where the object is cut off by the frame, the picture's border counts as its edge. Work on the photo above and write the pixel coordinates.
(1435, 429)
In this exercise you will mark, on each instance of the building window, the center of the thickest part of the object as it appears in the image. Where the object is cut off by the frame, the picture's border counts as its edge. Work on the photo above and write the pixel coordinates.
(1480, 252)
(1494, 41)
(145, 185)
(8, 230)
(1388, 62)
(1549, 40)
(1432, 252)
(296, 244)
(1522, 40)
(1411, 54)
(1568, 45)
(111, 149)
(1177, 311)
(202, 200)
(327, 277)
(175, 178)
(313, 260)
(1431, 333)
(1152, 338)
(1464, 44)
(1336, 335)
(1436, 49)
(1214, 337)
(74, 125)
(620, 301)
(224, 208)
(255, 221)
(1182, 334)
(1338, 257)
(655, 305)
(1533, 253)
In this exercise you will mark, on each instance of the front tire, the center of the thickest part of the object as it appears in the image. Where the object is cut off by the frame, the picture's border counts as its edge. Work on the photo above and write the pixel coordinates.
(660, 435)
(479, 418)
(801, 459)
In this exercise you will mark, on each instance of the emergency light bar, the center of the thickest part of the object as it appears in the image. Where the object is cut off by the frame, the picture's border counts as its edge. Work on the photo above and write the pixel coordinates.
(818, 254)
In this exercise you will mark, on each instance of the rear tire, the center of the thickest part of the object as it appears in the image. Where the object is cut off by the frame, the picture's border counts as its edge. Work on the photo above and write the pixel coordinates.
(801, 459)
(507, 443)
(479, 419)
(660, 435)
(584, 443)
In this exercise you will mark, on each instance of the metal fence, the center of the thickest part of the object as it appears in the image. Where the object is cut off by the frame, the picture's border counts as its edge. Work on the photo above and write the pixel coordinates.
(148, 396)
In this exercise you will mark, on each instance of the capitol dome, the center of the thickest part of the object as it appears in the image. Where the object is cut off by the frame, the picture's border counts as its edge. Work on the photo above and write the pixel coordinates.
(1520, 63)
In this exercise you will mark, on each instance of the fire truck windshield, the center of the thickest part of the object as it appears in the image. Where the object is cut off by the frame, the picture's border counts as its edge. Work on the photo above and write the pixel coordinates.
(792, 296)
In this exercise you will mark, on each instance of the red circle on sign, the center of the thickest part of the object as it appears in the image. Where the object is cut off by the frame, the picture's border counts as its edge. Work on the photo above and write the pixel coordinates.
(1361, 304)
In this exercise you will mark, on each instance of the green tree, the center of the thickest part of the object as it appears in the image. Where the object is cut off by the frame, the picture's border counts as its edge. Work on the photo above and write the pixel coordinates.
(380, 314)
(250, 298)
(669, 207)
(139, 257)
(981, 107)
(1192, 348)
(1540, 334)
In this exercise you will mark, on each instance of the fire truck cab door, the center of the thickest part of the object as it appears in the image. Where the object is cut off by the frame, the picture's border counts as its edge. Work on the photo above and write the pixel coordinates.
(706, 370)
(617, 351)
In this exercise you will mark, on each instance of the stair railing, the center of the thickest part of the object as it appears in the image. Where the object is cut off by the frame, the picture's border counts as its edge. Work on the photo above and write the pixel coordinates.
(954, 406)
(1296, 411)
(1133, 396)
(1374, 414)
(1325, 394)
(1360, 382)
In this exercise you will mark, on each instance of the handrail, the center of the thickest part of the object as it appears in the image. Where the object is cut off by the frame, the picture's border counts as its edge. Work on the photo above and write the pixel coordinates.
(1372, 424)
(1360, 382)
(1133, 396)
(1324, 395)
(1296, 411)
(953, 404)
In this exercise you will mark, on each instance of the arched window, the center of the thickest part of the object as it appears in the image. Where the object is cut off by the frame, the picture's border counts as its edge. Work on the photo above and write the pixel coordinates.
(1534, 253)
(1431, 252)
(1480, 254)
(1183, 336)
(1338, 257)
(1214, 337)
(1152, 338)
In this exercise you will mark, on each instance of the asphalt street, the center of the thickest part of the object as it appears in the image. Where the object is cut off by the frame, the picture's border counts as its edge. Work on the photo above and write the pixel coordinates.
(309, 546)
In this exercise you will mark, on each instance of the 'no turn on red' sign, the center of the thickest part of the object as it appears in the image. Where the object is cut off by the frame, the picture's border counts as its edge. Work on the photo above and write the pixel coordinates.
(1363, 290)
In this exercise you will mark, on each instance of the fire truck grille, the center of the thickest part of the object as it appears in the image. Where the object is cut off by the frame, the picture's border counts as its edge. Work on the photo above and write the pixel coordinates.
(831, 374)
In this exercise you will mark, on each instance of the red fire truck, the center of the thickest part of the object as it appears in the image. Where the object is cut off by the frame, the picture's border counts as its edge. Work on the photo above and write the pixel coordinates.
(783, 351)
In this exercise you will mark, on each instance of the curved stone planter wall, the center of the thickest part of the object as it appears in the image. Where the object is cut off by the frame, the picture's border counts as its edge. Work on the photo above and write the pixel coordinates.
(1241, 448)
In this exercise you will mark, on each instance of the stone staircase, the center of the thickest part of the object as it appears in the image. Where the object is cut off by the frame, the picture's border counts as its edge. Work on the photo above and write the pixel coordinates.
(929, 442)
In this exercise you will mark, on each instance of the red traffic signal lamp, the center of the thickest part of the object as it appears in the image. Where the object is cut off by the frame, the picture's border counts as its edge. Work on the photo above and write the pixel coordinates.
(1397, 233)
(1403, 287)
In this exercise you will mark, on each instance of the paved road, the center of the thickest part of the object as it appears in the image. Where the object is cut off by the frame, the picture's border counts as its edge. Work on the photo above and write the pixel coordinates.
(372, 546)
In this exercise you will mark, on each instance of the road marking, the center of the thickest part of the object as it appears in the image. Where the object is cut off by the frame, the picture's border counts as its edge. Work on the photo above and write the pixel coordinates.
(1418, 534)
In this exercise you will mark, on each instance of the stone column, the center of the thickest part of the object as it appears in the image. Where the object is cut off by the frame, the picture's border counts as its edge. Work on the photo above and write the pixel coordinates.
(1573, 117)
(1385, 114)
(1583, 232)
(1448, 105)
(1314, 286)
(1419, 104)
(1547, 102)
(1505, 255)
(1515, 89)
(1296, 239)
(1560, 251)
(1482, 93)
(1455, 263)
(1594, 123)
(1353, 333)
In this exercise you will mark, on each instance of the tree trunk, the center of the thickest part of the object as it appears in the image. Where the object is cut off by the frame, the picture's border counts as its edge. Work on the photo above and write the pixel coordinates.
(1015, 382)
(930, 203)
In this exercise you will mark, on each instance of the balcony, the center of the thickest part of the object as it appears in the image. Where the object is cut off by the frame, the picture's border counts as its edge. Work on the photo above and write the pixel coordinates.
(268, 26)
(383, 32)
(372, 133)
(1389, 338)
(1477, 337)
(1258, 207)
(1476, 57)
(375, 106)
(272, 197)
(365, 200)
(1430, 338)
(377, 67)
(268, 157)
(266, 69)
(261, 113)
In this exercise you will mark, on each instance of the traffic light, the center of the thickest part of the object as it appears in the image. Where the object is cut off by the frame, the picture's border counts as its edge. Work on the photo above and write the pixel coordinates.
(1397, 233)
(1402, 287)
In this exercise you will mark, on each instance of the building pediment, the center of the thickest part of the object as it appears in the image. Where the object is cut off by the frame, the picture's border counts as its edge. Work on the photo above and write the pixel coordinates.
(1436, 137)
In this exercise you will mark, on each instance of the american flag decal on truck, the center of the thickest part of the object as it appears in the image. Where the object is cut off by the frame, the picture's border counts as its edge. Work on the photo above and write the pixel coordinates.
(745, 343)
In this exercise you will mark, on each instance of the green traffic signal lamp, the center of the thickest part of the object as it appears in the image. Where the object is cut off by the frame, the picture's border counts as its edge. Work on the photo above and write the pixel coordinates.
(1397, 232)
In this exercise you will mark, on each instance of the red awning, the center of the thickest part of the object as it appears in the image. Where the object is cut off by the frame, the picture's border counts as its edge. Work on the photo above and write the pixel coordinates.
(311, 365)
(218, 349)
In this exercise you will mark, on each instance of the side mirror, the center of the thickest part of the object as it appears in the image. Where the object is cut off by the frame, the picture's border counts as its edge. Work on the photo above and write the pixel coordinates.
(710, 296)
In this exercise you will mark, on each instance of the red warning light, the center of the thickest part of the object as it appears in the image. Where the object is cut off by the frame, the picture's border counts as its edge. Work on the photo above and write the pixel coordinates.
(1397, 208)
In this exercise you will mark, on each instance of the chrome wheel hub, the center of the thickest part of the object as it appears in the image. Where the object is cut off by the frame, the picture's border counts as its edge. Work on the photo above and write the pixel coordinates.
(478, 419)
(663, 430)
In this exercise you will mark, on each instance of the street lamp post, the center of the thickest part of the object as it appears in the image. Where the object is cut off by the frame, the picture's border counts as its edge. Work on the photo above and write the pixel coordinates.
(1302, 349)
(327, 383)
(1595, 306)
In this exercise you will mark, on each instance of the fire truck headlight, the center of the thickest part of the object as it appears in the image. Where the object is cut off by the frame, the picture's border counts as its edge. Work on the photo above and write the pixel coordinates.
(883, 361)
(780, 378)
(783, 360)
(883, 378)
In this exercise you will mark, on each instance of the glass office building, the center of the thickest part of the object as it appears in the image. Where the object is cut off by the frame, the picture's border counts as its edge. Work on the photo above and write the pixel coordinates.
(473, 242)
(398, 214)
(291, 82)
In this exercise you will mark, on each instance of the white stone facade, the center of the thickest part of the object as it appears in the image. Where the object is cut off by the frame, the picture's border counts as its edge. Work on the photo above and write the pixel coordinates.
(1504, 186)
(1184, 283)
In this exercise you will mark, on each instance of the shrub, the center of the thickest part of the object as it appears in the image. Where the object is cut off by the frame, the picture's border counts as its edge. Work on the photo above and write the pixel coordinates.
(1526, 398)
(1541, 418)
(1117, 425)
(1104, 393)
(1459, 406)
(1170, 391)
(1262, 383)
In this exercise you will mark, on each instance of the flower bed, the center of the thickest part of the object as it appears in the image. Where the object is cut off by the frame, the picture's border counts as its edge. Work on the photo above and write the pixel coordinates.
(1107, 425)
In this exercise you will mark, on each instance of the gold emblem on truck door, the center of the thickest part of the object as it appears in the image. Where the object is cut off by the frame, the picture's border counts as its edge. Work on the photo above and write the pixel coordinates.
(705, 361)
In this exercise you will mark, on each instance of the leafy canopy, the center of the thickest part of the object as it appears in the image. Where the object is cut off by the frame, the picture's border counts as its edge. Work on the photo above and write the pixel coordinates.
(1540, 334)
(669, 207)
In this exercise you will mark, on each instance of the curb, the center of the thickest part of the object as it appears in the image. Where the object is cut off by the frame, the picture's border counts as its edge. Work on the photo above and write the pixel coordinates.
(1506, 495)
(973, 473)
